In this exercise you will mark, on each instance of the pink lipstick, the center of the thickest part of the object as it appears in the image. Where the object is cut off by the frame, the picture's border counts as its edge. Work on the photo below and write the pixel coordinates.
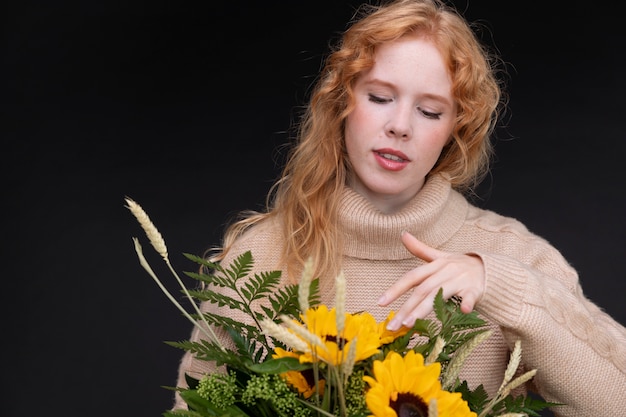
(391, 159)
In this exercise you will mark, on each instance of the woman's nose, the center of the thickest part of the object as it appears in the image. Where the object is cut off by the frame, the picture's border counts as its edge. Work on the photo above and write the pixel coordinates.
(399, 124)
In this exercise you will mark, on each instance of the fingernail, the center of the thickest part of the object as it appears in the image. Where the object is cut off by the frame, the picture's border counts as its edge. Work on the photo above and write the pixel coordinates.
(393, 325)
(382, 300)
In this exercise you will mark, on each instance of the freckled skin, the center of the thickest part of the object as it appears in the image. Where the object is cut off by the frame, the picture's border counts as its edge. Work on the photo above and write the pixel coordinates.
(404, 108)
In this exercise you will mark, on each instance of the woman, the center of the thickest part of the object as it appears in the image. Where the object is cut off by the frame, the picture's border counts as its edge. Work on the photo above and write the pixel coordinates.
(395, 135)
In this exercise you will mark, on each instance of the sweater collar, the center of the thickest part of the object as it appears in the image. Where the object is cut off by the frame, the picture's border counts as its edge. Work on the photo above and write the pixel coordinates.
(433, 216)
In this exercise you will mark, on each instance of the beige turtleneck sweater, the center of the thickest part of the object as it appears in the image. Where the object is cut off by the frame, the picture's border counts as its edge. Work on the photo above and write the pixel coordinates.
(531, 294)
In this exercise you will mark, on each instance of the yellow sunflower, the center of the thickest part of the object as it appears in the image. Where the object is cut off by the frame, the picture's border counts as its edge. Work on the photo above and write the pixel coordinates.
(404, 386)
(303, 381)
(388, 336)
(361, 329)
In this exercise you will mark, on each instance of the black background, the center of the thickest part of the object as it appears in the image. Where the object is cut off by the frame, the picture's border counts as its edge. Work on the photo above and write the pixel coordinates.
(183, 107)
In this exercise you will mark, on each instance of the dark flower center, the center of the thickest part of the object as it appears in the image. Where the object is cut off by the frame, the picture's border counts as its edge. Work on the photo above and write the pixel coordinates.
(409, 405)
(341, 342)
(309, 377)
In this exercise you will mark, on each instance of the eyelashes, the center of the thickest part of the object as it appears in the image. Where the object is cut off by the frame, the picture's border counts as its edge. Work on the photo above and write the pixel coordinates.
(427, 114)
(376, 99)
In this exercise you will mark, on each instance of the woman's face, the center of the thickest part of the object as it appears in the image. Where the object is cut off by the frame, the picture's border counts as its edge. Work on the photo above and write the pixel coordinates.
(403, 116)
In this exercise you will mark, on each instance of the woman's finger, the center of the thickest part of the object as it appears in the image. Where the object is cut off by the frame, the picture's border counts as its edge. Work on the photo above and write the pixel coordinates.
(419, 248)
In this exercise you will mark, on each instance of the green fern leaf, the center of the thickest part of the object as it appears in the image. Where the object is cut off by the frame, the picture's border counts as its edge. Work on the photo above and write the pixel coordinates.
(246, 347)
(247, 295)
(209, 351)
(522, 404)
(209, 279)
(204, 262)
(214, 279)
(217, 298)
(285, 301)
(259, 356)
(261, 285)
(315, 297)
(268, 312)
(229, 323)
(476, 399)
(241, 266)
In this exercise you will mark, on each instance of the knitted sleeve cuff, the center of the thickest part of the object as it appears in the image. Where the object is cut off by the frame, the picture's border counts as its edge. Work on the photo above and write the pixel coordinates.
(506, 289)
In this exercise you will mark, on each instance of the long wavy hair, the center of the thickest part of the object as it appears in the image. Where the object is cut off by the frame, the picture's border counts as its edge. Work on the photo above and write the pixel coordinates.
(305, 199)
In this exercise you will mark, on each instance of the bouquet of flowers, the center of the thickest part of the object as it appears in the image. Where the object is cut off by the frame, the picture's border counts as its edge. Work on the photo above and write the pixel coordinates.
(297, 357)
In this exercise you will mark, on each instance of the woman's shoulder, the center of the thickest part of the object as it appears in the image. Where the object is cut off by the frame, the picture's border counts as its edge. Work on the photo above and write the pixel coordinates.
(509, 232)
(491, 220)
(264, 240)
(503, 234)
(268, 229)
(489, 223)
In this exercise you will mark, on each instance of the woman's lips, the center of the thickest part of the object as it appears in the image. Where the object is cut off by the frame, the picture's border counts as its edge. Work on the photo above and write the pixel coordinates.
(391, 159)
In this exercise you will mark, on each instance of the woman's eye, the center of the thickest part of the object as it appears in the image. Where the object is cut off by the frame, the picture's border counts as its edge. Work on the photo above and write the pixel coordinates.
(376, 99)
(430, 115)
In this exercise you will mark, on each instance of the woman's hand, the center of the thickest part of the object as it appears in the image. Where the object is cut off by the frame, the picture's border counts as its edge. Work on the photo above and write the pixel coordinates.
(458, 274)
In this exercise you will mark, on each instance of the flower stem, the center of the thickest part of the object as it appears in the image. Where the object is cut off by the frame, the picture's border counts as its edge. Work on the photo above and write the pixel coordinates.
(144, 263)
(195, 306)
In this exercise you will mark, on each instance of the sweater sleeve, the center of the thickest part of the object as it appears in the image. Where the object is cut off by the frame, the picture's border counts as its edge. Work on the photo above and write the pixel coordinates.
(579, 351)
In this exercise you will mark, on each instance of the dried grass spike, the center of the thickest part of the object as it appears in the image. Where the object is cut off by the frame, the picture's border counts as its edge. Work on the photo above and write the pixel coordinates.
(522, 379)
(436, 351)
(303, 333)
(280, 333)
(432, 408)
(456, 363)
(511, 369)
(347, 366)
(340, 301)
(157, 241)
(304, 286)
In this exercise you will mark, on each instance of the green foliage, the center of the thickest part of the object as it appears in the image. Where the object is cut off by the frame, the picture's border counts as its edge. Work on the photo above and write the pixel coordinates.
(521, 404)
(243, 290)
(452, 325)
(477, 398)
(276, 366)
(239, 293)
(457, 329)
(257, 388)
(253, 384)
(205, 350)
(200, 407)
